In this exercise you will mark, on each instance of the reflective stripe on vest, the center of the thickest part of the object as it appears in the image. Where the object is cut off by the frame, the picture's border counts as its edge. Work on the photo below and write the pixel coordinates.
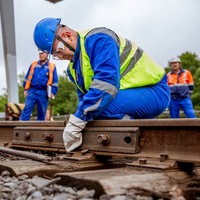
(30, 76)
(136, 68)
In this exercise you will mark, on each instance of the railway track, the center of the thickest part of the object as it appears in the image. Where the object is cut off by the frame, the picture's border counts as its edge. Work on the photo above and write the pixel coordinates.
(115, 157)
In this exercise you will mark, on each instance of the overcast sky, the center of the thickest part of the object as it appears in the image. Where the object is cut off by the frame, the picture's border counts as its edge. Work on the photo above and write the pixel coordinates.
(162, 28)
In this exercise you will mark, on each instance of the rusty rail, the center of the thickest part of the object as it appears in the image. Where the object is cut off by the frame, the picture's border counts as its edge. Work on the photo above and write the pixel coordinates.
(176, 139)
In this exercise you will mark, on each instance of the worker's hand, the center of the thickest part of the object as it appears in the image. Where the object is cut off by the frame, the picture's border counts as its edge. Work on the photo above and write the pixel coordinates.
(25, 93)
(72, 135)
(51, 96)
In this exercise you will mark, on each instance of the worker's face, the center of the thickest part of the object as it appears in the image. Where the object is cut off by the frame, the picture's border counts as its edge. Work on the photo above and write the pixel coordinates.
(175, 65)
(43, 57)
(60, 51)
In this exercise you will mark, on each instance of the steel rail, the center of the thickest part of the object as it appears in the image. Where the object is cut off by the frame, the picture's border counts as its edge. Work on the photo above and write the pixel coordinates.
(175, 139)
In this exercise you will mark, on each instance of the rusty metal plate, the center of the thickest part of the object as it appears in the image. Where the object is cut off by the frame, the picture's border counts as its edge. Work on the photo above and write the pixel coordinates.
(111, 139)
(152, 163)
(49, 137)
(7, 127)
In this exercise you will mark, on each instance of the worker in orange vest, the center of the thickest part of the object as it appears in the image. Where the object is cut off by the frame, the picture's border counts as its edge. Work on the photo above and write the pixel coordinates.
(41, 83)
(180, 82)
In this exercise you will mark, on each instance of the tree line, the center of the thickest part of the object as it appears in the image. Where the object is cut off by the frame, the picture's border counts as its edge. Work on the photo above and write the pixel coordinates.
(66, 99)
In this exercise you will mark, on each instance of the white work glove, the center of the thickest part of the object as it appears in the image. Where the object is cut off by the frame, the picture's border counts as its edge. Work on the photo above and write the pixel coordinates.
(72, 135)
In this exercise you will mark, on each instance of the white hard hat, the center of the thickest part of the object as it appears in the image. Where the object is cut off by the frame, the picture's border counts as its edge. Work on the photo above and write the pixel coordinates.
(175, 59)
(40, 51)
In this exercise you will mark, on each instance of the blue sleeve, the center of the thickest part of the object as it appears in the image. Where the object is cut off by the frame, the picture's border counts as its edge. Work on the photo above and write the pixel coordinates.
(103, 52)
(55, 81)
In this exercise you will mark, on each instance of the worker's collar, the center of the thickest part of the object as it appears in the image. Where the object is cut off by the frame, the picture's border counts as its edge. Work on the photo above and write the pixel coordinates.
(181, 71)
(40, 63)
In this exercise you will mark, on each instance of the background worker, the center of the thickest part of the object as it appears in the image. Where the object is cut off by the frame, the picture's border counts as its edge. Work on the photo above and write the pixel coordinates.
(41, 75)
(115, 78)
(181, 86)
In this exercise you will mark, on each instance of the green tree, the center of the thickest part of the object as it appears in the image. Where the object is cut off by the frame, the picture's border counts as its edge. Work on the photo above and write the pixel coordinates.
(3, 101)
(190, 61)
(66, 99)
(196, 93)
(20, 87)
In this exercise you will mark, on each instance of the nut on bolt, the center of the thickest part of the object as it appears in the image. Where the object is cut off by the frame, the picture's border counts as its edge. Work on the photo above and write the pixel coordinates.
(163, 157)
(48, 136)
(27, 135)
(103, 139)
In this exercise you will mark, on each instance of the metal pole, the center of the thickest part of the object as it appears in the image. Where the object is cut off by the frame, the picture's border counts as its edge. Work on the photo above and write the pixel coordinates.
(25, 154)
(8, 37)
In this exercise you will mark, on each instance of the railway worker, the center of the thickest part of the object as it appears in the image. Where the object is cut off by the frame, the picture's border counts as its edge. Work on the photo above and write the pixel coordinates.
(181, 86)
(40, 80)
(115, 78)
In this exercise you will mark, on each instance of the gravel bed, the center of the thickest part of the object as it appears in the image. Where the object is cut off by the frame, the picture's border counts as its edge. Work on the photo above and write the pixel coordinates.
(25, 188)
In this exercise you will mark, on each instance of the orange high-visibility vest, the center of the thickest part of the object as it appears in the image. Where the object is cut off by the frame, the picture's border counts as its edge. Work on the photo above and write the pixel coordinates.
(184, 78)
(30, 76)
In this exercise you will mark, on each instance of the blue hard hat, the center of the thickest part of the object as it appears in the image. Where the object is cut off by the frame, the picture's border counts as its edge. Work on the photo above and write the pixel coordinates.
(44, 33)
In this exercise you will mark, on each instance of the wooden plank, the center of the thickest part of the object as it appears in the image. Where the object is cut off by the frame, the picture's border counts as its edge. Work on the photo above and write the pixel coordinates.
(31, 167)
(118, 181)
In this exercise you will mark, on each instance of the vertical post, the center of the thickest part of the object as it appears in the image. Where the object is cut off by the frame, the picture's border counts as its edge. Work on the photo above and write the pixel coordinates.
(9, 48)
